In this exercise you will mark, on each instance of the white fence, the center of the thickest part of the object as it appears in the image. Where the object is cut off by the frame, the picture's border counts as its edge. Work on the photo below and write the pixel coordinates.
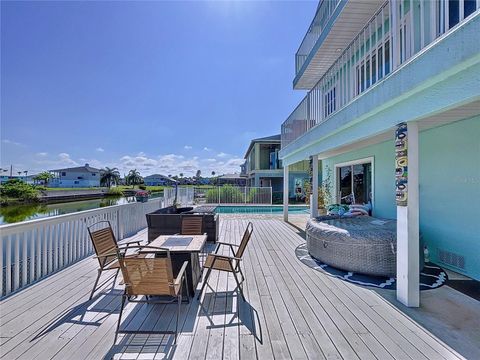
(31, 250)
(185, 196)
(233, 195)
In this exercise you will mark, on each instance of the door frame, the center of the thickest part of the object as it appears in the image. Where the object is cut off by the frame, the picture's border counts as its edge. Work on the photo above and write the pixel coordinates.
(370, 160)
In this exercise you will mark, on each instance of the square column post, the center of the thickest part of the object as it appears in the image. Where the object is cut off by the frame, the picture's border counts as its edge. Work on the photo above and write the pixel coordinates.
(314, 198)
(257, 156)
(408, 242)
(285, 193)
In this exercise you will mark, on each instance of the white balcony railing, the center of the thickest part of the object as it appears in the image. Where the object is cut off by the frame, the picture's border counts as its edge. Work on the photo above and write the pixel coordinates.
(374, 53)
(32, 250)
(324, 12)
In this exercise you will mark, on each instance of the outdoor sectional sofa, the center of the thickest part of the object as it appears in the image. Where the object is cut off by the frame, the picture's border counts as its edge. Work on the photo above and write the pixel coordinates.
(360, 244)
(168, 221)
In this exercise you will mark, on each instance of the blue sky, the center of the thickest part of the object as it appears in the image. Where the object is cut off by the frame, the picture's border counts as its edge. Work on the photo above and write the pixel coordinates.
(164, 87)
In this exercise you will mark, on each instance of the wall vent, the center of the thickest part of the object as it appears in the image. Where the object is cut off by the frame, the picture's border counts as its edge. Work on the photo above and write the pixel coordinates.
(451, 258)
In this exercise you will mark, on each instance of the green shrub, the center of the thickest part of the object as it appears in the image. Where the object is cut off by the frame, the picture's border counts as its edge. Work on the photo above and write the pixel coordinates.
(142, 187)
(228, 194)
(17, 189)
(115, 191)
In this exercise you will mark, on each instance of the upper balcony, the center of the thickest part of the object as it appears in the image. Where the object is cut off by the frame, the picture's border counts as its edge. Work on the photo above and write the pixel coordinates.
(374, 54)
(334, 25)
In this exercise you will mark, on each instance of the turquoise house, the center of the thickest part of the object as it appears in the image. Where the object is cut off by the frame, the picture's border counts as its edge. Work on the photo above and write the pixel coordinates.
(371, 69)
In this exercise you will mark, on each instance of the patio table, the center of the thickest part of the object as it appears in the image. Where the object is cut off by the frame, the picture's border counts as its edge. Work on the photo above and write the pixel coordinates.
(184, 248)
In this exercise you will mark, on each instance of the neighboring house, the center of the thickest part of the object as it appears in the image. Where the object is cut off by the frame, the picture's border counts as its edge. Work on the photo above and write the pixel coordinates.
(81, 176)
(263, 168)
(232, 179)
(369, 66)
(157, 180)
(28, 179)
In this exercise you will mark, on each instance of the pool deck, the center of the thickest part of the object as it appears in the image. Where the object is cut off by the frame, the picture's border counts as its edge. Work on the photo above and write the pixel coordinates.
(291, 312)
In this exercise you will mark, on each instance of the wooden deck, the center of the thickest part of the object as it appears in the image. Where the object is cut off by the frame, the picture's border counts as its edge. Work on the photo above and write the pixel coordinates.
(291, 312)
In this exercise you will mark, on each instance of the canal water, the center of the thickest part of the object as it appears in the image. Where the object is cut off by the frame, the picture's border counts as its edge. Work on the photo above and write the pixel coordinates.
(17, 213)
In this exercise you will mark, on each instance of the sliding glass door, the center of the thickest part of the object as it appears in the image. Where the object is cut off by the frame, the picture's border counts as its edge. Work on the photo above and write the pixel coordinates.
(355, 183)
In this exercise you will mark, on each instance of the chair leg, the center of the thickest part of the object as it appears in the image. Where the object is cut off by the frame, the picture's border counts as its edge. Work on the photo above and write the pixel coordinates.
(119, 319)
(178, 315)
(96, 283)
(115, 278)
(204, 282)
(238, 283)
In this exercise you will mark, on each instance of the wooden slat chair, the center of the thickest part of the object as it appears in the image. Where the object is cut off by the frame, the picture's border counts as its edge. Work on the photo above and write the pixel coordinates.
(192, 225)
(216, 261)
(104, 242)
(148, 277)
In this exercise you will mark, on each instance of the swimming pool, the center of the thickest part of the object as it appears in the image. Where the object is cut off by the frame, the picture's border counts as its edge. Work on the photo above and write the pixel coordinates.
(269, 209)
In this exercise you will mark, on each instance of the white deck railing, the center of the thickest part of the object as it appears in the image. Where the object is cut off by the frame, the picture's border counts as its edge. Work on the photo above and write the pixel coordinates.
(32, 250)
(373, 55)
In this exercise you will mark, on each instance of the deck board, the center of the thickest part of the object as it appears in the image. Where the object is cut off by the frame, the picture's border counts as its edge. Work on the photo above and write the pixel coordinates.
(291, 312)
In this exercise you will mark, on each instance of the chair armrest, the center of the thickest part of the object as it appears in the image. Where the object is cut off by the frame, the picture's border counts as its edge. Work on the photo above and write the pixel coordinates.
(225, 243)
(181, 274)
(225, 257)
(127, 243)
(220, 243)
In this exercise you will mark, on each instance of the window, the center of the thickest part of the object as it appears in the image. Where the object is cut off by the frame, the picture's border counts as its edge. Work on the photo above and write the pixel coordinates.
(354, 183)
(76, 182)
(64, 173)
(94, 174)
(366, 77)
(330, 98)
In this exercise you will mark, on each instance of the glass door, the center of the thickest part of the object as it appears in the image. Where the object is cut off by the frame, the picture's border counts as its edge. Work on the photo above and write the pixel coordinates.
(355, 184)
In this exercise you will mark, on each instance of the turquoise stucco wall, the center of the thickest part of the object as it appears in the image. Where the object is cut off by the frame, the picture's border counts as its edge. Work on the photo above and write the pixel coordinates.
(449, 188)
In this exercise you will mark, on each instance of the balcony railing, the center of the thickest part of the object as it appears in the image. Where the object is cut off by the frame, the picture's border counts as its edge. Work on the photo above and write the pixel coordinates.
(370, 57)
(32, 250)
(324, 12)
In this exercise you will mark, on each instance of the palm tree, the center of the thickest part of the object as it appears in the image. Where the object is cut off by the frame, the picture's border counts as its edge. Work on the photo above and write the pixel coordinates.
(181, 175)
(133, 178)
(44, 176)
(109, 176)
(213, 173)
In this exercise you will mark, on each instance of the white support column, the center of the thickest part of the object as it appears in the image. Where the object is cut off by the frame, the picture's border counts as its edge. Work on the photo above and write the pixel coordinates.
(408, 246)
(285, 193)
(314, 198)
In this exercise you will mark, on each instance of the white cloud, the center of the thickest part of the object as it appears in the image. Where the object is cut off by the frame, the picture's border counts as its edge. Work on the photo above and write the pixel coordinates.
(187, 147)
(207, 149)
(11, 142)
(222, 155)
(211, 160)
(99, 149)
(41, 154)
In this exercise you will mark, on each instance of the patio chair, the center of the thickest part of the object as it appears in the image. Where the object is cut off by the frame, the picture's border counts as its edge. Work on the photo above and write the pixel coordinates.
(216, 261)
(104, 242)
(192, 225)
(150, 277)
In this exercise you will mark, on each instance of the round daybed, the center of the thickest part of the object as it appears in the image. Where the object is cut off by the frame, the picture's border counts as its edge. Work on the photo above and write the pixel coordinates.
(360, 244)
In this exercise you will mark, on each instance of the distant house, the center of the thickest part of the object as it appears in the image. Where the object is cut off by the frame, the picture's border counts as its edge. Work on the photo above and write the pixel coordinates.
(75, 177)
(157, 180)
(232, 179)
(263, 168)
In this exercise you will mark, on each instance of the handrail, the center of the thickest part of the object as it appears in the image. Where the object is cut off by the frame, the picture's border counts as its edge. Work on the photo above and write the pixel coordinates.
(31, 250)
(372, 56)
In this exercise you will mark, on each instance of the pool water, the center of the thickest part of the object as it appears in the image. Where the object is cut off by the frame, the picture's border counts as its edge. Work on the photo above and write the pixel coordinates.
(260, 209)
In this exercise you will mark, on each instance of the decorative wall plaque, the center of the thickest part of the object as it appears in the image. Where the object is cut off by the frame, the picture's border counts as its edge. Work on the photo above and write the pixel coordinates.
(401, 164)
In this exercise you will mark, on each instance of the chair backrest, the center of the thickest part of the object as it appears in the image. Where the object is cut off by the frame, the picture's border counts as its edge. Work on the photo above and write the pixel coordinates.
(147, 275)
(104, 242)
(192, 225)
(245, 238)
